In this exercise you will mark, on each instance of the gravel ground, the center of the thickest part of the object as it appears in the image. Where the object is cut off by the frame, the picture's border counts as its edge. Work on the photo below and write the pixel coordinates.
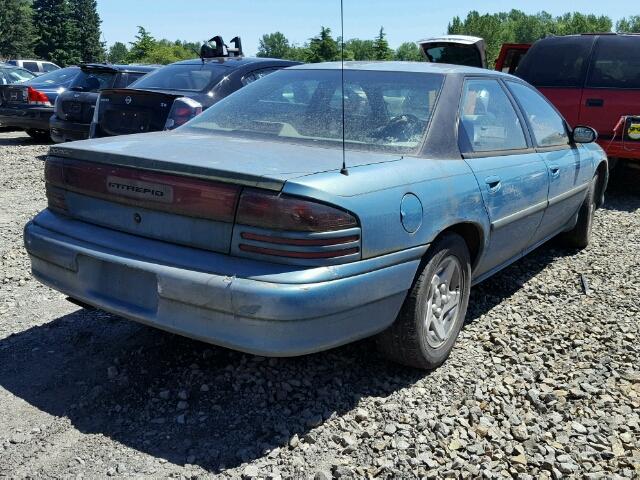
(544, 381)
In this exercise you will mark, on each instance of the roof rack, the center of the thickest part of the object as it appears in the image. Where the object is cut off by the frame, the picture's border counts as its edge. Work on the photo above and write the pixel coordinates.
(219, 49)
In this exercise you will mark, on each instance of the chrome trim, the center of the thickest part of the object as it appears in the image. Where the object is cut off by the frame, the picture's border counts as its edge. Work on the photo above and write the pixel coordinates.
(568, 194)
(519, 215)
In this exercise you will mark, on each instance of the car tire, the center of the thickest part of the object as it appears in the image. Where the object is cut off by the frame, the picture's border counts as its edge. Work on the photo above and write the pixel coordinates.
(39, 135)
(422, 336)
(580, 235)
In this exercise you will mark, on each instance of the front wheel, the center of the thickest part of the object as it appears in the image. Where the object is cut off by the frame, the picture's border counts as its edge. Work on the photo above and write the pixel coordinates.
(433, 313)
(580, 235)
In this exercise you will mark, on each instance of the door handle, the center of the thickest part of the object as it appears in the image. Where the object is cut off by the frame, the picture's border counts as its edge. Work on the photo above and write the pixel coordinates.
(493, 182)
(595, 102)
(555, 171)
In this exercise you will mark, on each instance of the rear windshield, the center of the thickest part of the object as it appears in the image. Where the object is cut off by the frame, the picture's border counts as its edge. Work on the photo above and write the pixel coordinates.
(17, 75)
(93, 80)
(186, 78)
(616, 63)
(557, 62)
(385, 111)
(453, 54)
(57, 77)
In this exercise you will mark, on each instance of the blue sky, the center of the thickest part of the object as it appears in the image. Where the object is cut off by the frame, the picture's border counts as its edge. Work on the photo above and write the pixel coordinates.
(403, 20)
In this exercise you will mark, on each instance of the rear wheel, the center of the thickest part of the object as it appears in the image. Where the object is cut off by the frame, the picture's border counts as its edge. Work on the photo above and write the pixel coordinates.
(433, 313)
(580, 235)
(40, 135)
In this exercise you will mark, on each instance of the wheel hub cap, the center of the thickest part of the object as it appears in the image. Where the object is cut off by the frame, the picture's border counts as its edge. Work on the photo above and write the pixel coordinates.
(443, 301)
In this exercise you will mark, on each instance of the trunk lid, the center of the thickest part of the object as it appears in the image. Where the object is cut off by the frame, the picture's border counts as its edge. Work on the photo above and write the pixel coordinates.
(178, 187)
(127, 111)
(76, 106)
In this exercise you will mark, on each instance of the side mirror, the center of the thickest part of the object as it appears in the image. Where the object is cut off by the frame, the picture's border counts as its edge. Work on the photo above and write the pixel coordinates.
(582, 134)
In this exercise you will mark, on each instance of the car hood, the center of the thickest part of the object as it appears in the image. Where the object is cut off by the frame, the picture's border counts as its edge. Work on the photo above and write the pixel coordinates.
(244, 161)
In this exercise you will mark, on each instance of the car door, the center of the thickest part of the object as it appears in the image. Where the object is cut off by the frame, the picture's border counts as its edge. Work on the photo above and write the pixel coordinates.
(568, 165)
(512, 177)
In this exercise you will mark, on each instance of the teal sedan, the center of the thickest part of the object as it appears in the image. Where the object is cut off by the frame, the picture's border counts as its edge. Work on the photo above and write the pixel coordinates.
(317, 206)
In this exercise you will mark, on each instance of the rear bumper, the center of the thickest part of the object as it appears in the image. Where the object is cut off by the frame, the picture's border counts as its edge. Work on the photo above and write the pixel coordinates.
(247, 305)
(65, 131)
(27, 118)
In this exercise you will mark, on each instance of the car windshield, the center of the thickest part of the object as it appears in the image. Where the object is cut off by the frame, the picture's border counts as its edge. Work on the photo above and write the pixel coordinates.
(93, 80)
(18, 74)
(385, 111)
(183, 77)
(56, 77)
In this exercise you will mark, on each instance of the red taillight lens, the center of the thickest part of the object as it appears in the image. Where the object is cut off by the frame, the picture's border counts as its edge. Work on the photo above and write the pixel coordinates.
(36, 97)
(156, 191)
(280, 212)
(182, 110)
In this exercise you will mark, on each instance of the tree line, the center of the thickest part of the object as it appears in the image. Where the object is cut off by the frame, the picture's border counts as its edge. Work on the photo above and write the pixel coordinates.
(68, 32)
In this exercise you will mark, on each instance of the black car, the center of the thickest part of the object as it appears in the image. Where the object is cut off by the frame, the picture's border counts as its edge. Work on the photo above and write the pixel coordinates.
(172, 95)
(28, 105)
(74, 109)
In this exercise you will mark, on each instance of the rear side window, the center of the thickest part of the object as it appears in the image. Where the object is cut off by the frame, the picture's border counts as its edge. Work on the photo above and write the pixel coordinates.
(557, 62)
(49, 67)
(488, 121)
(547, 126)
(616, 63)
(31, 66)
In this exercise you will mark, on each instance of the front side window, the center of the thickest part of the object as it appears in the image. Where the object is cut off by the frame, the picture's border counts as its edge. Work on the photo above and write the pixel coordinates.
(616, 63)
(547, 125)
(183, 77)
(488, 121)
(384, 111)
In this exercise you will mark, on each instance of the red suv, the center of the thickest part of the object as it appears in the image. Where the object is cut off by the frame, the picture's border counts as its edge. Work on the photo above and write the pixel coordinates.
(594, 80)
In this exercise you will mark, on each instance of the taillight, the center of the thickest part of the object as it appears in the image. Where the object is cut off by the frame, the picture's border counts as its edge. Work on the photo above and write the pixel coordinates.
(182, 110)
(141, 188)
(281, 212)
(294, 230)
(36, 97)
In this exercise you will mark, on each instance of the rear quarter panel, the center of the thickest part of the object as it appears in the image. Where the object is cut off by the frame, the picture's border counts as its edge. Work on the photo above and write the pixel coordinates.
(447, 189)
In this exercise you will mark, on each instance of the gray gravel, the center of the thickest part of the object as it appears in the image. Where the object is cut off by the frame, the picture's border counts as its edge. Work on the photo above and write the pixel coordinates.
(544, 381)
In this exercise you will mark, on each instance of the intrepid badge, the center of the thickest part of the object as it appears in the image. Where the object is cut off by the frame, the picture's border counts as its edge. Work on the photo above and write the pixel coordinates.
(140, 190)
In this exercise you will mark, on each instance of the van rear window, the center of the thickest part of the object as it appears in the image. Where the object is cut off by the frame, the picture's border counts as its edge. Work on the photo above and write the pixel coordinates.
(616, 63)
(557, 62)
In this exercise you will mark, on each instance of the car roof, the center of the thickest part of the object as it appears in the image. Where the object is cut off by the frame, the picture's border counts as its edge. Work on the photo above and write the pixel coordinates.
(412, 67)
(119, 68)
(234, 62)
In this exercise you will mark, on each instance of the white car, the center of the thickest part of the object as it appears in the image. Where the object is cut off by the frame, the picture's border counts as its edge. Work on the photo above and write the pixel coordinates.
(37, 67)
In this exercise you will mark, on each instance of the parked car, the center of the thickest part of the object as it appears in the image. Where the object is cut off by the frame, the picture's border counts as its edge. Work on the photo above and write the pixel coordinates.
(172, 95)
(455, 50)
(29, 105)
(10, 74)
(259, 226)
(592, 79)
(37, 67)
(74, 109)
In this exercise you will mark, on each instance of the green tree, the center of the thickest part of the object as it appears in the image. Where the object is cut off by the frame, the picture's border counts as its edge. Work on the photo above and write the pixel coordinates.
(322, 48)
(360, 49)
(629, 24)
(381, 47)
(118, 53)
(16, 29)
(87, 30)
(408, 51)
(142, 47)
(273, 45)
(55, 32)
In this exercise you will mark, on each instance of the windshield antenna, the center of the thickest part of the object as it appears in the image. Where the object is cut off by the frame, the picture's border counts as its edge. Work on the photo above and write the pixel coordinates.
(343, 170)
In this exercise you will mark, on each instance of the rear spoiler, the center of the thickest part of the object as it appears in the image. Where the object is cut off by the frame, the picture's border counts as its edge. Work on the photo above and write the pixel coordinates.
(219, 49)
(97, 66)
